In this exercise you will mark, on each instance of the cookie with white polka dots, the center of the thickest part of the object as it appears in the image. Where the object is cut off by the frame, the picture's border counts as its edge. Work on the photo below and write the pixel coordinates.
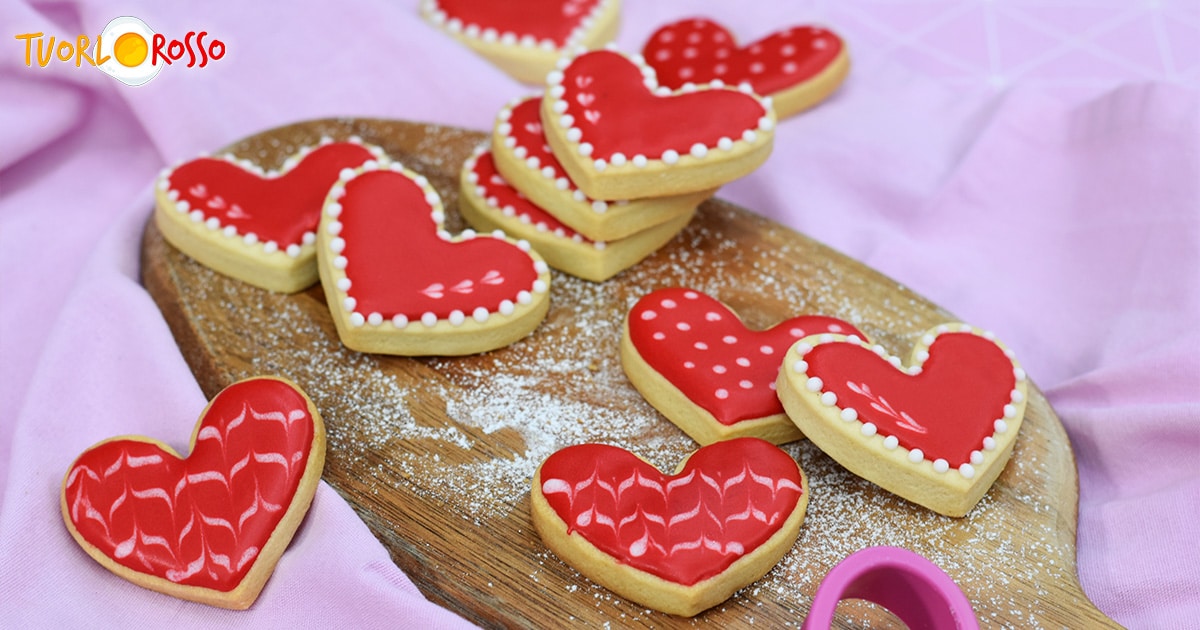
(694, 360)
(797, 67)
(397, 282)
(937, 431)
(249, 223)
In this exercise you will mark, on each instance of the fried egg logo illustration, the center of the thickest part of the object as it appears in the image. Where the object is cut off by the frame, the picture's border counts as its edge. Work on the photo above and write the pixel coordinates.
(125, 48)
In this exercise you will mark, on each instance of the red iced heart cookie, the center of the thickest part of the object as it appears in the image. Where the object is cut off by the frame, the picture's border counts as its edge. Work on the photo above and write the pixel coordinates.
(255, 226)
(697, 363)
(209, 527)
(526, 161)
(937, 433)
(678, 543)
(797, 67)
(525, 37)
(621, 136)
(489, 202)
(398, 283)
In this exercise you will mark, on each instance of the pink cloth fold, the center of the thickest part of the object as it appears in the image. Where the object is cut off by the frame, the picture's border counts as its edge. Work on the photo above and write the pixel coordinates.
(1065, 220)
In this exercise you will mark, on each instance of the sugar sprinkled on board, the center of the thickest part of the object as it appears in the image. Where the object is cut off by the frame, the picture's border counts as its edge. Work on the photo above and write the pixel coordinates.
(470, 432)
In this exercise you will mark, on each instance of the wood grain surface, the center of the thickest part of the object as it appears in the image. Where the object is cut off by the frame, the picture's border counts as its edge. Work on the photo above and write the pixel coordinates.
(436, 454)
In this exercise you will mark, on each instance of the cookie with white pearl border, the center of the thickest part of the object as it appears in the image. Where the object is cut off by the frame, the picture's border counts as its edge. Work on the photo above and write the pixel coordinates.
(620, 135)
(397, 282)
(249, 223)
(524, 159)
(937, 431)
(489, 202)
(697, 363)
(525, 38)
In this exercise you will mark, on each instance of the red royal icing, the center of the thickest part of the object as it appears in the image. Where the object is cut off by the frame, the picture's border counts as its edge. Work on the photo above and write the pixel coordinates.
(616, 112)
(701, 50)
(510, 199)
(704, 350)
(728, 500)
(946, 410)
(397, 263)
(554, 20)
(203, 520)
(525, 121)
(279, 208)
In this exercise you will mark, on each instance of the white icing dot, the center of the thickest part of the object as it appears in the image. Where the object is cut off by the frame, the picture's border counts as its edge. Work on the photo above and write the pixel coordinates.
(719, 369)
(745, 384)
(722, 393)
(989, 443)
(868, 429)
(271, 247)
(976, 458)
(375, 319)
(669, 303)
(429, 319)
(700, 345)
(743, 361)
(800, 367)
(293, 250)
(400, 320)
(457, 318)
(730, 339)
(767, 350)
(659, 336)
(343, 284)
(849, 414)
(670, 156)
(891, 442)
(1016, 396)
(1000, 426)
(683, 326)
(797, 332)
(803, 348)
(648, 315)
(829, 399)
(640, 161)
(356, 319)
(349, 303)
(507, 307)
(480, 314)
(940, 465)
(916, 455)
(814, 384)
(689, 365)
(698, 150)
(712, 316)
(1010, 411)
(967, 471)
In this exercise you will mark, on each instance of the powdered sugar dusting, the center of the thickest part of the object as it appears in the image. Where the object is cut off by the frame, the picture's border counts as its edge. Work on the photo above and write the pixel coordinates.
(468, 433)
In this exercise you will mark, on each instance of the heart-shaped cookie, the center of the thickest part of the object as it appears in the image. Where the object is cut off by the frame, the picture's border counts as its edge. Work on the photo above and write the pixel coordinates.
(255, 226)
(937, 432)
(693, 359)
(209, 527)
(620, 135)
(489, 202)
(677, 543)
(797, 67)
(398, 283)
(526, 161)
(525, 37)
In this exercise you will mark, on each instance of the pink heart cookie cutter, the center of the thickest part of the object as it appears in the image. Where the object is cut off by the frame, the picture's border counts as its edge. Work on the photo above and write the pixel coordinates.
(917, 591)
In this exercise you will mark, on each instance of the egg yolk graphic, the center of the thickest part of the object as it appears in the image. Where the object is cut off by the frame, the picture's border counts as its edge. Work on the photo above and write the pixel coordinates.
(130, 50)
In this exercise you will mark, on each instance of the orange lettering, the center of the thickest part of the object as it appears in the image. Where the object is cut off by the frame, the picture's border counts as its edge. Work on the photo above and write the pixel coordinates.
(100, 57)
(45, 61)
(65, 51)
(29, 37)
(81, 46)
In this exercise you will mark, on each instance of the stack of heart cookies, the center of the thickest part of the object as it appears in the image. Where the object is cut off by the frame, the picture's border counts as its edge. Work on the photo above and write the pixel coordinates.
(607, 166)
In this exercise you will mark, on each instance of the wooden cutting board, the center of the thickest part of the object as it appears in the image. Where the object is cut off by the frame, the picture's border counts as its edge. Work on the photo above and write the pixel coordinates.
(436, 454)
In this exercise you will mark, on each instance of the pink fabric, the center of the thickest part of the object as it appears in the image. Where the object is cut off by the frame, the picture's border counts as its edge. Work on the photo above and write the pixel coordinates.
(1036, 172)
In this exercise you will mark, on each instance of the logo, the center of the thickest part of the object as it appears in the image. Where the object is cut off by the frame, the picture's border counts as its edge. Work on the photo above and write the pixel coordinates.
(127, 49)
